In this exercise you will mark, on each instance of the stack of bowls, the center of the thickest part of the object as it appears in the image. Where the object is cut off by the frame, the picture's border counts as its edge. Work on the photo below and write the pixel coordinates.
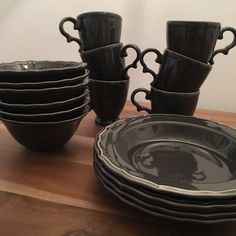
(102, 50)
(43, 102)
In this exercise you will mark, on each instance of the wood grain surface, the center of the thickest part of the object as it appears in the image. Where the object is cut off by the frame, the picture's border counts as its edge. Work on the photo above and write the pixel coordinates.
(58, 193)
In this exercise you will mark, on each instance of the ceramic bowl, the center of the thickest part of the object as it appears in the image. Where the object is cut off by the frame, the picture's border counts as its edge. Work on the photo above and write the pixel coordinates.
(47, 95)
(43, 136)
(45, 84)
(44, 107)
(38, 71)
(47, 117)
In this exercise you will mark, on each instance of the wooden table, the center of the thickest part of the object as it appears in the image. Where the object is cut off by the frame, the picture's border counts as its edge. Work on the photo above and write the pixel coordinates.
(58, 193)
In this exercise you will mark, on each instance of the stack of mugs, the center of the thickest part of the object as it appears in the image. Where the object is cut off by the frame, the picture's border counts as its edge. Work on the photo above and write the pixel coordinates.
(184, 66)
(100, 47)
(43, 102)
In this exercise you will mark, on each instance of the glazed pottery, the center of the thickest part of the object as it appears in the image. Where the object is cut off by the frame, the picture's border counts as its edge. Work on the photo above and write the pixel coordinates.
(47, 117)
(197, 39)
(47, 95)
(70, 81)
(96, 29)
(44, 107)
(168, 166)
(108, 63)
(38, 71)
(167, 102)
(108, 99)
(43, 136)
(177, 72)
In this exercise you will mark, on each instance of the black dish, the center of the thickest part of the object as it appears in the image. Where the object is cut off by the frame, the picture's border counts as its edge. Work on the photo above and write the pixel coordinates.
(198, 208)
(36, 96)
(70, 81)
(43, 136)
(178, 155)
(159, 212)
(47, 117)
(32, 71)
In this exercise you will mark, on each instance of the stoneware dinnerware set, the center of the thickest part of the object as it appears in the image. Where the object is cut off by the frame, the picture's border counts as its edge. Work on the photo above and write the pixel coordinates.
(183, 66)
(100, 47)
(170, 165)
(43, 102)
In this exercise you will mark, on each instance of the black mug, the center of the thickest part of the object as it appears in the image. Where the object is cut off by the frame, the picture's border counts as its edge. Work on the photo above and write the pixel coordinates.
(108, 99)
(108, 63)
(167, 102)
(177, 72)
(96, 29)
(197, 39)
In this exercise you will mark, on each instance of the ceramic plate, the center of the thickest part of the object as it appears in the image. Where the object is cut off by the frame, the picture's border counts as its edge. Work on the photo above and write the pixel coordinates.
(172, 154)
(198, 208)
(158, 211)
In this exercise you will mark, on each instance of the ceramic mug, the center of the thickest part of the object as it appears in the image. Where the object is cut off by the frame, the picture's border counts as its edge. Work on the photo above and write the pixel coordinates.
(96, 29)
(177, 73)
(167, 102)
(108, 63)
(108, 99)
(197, 39)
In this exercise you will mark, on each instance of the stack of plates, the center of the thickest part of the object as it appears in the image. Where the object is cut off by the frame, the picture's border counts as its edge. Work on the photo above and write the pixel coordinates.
(43, 102)
(175, 167)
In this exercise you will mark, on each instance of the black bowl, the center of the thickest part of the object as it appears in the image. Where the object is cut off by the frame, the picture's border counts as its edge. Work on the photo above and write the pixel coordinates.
(32, 71)
(44, 107)
(45, 84)
(47, 117)
(47, 95)
(43, 136)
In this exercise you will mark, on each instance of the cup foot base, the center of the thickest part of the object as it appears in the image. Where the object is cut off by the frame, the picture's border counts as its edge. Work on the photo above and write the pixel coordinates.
(102, 122)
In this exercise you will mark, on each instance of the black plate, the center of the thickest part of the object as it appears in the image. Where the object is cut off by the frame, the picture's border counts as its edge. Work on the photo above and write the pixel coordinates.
(173, 154)
(198, 208)
(159, 211)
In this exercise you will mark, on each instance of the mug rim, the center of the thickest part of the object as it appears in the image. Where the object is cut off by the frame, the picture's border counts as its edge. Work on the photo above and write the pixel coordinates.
(187, 58)
(100, 13)
(107, 47)
(202, 23)
(177, 93)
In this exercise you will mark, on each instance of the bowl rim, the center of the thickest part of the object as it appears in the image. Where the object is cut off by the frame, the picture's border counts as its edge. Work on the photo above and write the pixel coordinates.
(4, 120)
(46, 82)
(24, 115)
(69, 66)
(19, 91)
(38, 105)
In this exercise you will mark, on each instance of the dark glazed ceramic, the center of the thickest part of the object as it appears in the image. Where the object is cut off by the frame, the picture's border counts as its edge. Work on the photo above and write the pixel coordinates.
(37, 96)
(175, 155)
(44, 107)
(177, 72)
(160, 210)
(108, 63)
(47, 117)
(96, 29)
(199, 208)
(44, 84)
(43, 136)
(168, 102)
(39, 71)
(197, 39)
(108, 99)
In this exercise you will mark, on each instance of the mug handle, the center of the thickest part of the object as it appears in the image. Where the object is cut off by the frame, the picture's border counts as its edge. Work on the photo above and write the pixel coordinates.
(225, 50)
(158, 60)
(123, 53)
(138, 106)
(68, 37)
